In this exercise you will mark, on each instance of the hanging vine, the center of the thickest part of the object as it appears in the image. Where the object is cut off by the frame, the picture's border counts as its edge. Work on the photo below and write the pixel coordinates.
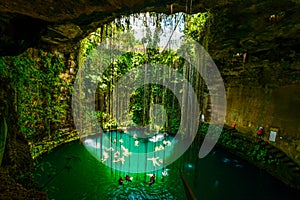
(41, 93)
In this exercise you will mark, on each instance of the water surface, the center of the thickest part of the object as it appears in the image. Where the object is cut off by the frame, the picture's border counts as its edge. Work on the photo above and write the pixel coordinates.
(72, 172)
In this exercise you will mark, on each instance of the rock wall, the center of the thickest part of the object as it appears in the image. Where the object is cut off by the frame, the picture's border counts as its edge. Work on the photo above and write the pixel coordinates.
(61, 24)
(278, 107)
(17, 165)
(255, 48)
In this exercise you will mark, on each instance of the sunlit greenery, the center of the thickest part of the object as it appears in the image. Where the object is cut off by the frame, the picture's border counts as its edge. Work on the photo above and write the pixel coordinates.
(198, 27)
(43, 85)
(119, 38)
(37, 85)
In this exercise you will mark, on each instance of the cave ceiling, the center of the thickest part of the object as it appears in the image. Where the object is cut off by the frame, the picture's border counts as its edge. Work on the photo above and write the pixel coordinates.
(51, 24)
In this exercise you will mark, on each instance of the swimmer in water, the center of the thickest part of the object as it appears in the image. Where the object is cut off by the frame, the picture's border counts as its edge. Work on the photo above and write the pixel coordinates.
(154, 161)
(122, 160)
(120, 181)
(152, 180)
(127, 178)
(105, 156)
(136, 143)
(164, 173)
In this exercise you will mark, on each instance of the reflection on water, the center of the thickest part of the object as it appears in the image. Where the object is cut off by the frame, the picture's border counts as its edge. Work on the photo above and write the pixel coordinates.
(71, 172)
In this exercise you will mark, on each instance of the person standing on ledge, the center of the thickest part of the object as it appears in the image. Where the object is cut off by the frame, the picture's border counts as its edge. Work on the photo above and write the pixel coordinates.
(260, 131)
(233, 125)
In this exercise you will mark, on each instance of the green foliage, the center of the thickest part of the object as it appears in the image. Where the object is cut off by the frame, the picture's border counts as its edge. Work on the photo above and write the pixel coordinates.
(3, 69)
(145, 96)
(198, 26)
(247, 149)
(118, 39)
(106, 121)
(37, 87)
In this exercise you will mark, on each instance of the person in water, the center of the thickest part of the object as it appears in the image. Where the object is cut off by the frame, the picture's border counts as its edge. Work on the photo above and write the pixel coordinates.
(121, 182)
(152, 180)
(154, 161)
(127, 178)
(164, 173)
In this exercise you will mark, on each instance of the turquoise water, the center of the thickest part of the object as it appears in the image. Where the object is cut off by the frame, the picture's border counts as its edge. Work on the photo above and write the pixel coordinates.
(131, 153)
(72, 172)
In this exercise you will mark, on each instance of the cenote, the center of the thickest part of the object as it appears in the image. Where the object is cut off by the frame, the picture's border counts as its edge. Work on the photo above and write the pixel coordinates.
(72, 171)
(202, 94)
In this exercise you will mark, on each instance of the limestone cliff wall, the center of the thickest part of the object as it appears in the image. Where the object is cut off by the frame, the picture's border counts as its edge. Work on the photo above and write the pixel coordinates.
(278, 107)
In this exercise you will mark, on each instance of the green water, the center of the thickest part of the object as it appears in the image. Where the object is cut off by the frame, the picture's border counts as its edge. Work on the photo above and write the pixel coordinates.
(221, 175)
(72, 172)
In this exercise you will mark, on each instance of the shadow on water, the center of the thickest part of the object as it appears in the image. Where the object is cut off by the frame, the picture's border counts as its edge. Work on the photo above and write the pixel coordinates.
(221, 175)
(71, 172)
